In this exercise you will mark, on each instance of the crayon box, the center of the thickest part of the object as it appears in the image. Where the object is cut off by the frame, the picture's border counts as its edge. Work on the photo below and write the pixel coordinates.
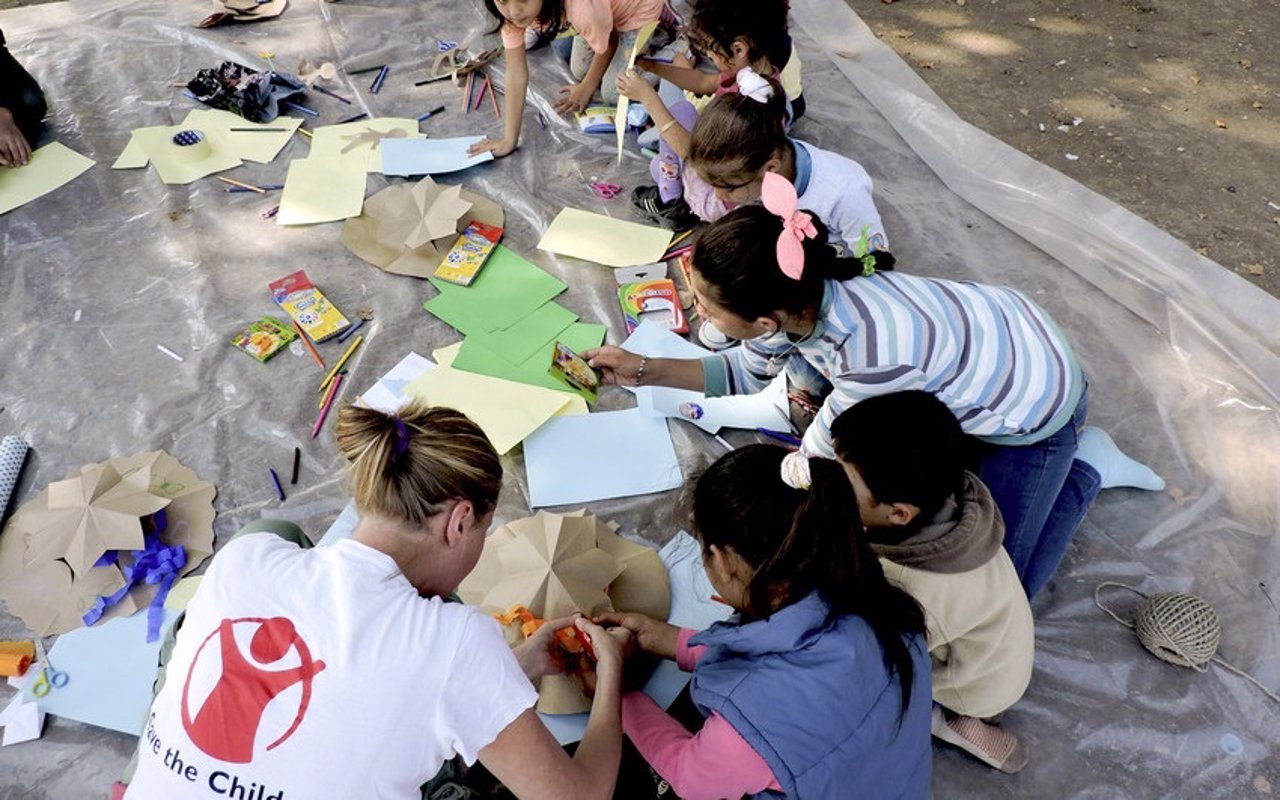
(308, 306)
(463, 261)
(657, 301)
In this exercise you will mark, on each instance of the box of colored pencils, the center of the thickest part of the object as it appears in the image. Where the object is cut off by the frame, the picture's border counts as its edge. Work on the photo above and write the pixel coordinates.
(313, 312)
(264, 338)
(463, 261)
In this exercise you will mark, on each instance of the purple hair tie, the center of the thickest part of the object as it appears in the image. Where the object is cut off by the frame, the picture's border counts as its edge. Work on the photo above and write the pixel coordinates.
(402, 436)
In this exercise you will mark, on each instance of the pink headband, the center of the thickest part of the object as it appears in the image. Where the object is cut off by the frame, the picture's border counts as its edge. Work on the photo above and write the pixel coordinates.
(779, 196)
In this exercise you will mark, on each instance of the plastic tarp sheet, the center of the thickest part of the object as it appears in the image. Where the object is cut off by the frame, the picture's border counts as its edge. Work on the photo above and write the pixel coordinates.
(1181, 354)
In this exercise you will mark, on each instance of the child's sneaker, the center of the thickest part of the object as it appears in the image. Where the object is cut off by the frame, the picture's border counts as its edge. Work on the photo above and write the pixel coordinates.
(674, 215)
(987, 743)
(714, 338)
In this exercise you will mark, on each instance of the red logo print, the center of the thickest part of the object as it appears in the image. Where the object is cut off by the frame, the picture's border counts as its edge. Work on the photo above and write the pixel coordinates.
(226, 725)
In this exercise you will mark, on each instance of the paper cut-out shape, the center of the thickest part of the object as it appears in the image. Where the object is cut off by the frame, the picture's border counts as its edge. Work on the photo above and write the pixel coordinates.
(507, 290)
(389, 393)
(600, 456)
(765, 409)
(556, 564)
(507, 412)
(182, 155)
(358, 144)
(132, 156)
(320, 190)
(620, 117)
(410, 157)
(50, 167)
(111, 669)
(604, 240)
(407, 229)
(22, 719)
(520, 341)
(50, 544)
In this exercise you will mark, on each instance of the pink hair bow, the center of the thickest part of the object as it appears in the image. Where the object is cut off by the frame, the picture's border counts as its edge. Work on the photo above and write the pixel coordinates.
(779, 196)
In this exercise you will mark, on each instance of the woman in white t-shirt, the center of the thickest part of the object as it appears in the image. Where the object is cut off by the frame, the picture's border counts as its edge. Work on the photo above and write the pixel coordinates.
(343, 672)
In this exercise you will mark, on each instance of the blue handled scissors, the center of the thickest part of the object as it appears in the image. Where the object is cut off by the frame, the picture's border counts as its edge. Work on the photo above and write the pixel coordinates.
(49, 678)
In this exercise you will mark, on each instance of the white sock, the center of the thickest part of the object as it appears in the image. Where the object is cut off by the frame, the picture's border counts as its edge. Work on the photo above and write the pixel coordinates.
(1098, 450)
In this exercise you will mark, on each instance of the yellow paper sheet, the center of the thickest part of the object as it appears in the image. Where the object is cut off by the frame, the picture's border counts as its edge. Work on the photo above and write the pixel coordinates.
(506, 411)
(604, 240)
(51, 166)
(620, 119)
(321, 190)
(133, 156)
(360, 140)
(258, 146)
(174, 164)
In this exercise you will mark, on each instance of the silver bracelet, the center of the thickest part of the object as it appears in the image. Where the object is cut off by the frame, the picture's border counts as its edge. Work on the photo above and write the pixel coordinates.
(640, 372)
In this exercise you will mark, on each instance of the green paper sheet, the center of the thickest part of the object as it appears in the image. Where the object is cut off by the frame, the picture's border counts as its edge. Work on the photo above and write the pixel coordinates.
(521, 340)
(475, 357)
(50, 167)
(508, 289)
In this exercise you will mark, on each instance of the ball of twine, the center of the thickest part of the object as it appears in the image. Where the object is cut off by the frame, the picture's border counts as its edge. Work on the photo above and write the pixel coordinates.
(1179, 628)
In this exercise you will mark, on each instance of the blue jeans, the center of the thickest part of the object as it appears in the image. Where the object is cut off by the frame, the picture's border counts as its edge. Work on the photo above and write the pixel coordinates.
(1043, 493)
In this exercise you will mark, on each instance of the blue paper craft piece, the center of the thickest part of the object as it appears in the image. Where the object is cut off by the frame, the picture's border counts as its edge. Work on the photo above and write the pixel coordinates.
(111, 669)
(586, 457)
(429, 156)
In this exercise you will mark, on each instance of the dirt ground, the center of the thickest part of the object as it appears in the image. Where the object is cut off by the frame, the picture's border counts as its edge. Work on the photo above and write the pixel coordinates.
(1167, 107)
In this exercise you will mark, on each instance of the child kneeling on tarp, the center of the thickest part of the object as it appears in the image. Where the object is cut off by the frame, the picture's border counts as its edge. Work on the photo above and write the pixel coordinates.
(938, 534)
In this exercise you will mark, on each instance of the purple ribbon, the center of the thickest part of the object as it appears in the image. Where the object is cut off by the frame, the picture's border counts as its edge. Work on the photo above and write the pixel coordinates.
(402, 436)
(154, 564)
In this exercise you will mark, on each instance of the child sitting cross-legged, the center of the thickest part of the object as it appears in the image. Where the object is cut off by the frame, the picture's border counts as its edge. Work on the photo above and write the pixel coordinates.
(939, 536)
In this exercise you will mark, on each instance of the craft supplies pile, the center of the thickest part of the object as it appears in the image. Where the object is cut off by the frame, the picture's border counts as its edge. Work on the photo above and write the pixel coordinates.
(642, 371)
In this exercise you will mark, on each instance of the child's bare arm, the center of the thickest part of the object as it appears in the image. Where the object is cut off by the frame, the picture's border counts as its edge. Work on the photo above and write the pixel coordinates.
(517, 84)
(691, 80)
(634, 86)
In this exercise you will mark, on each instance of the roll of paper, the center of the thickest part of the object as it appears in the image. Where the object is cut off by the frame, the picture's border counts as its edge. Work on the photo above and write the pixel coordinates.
(13, 454)
(13, 665)
(191, 145)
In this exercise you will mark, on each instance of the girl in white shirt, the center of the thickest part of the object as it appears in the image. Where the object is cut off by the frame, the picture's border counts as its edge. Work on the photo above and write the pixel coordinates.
(343, 672)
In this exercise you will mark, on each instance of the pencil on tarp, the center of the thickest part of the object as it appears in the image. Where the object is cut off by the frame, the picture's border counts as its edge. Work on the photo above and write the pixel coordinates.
(345, 335)
(310, 347)
(377, 82)
(297, 460)
(342, 373)
(493, 97)
(785, 438)
(363, 70)
(305, 132)
(324, 412)
(466, 98)
(275, 480)
(266, 187)
(259, 130)
(352, 118)
(484, 87)
(169, 353)
(342, 361)
(246, 186)
(430, 114)
(334, 95)
(671, 248)
(300, 109)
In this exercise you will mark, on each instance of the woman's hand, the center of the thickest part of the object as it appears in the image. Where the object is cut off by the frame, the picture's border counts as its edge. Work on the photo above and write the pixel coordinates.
(499, 147)
(539, 655)
(651, 635)
(633, 85)
(617, 367)
(575, 97)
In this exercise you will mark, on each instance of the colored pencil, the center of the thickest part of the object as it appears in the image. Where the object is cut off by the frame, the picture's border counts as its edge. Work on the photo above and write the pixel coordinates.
(542, 122)
(300, 108)
(310, 347)
(345, 335)
(363, 70)
(259, 130)
(275, 479)
(377, 82)
(722, 441)
(169, 353)
(324, 412)
(297, 459)
(334, 95)
(466, 98)
(352, 118)
(342, 373)
(342, 361)
(430, 114)
(493, 98)
(266, 187)
(670, 254)
(484, 87)
(675, 242)
(785, 438)
(242, 185)
(305, 132)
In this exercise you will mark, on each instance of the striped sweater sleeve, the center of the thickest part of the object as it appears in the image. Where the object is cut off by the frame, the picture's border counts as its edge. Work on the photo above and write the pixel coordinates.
(747, 369)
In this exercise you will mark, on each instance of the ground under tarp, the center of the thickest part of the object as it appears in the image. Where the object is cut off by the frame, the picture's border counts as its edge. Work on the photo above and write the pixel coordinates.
(1182, 355)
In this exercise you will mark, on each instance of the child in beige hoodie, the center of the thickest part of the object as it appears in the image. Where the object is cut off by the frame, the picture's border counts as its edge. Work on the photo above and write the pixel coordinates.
(938, 533)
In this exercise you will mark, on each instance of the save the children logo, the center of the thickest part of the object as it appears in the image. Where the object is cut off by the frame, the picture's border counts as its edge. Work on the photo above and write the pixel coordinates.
(224, 724)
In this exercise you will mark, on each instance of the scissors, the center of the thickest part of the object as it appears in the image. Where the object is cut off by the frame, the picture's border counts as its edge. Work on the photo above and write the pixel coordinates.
(606, 191)
(49, 677)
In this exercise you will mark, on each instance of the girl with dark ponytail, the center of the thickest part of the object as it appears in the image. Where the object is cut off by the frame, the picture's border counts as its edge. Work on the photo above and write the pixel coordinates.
(821, 681)
(765, 275)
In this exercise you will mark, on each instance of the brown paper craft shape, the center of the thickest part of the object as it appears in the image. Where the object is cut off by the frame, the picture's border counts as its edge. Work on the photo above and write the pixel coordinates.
(556, 564)
(50, 544)
(408, 228)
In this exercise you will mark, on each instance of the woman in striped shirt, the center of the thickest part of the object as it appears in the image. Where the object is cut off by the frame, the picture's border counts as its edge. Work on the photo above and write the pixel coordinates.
(765, 275)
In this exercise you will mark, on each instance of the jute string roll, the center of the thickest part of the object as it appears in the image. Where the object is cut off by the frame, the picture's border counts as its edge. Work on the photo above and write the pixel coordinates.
(1179, 628)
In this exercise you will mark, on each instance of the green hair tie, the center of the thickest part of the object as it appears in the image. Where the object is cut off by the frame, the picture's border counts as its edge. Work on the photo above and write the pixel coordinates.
(868, 265)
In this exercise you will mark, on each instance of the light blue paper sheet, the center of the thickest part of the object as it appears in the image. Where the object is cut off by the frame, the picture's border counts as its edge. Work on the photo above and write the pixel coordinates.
(578, 459)
(429, 156)
(110, 671)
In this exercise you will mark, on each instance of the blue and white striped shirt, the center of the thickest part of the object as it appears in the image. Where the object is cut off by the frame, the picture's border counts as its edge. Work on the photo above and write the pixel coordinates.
(994, 357)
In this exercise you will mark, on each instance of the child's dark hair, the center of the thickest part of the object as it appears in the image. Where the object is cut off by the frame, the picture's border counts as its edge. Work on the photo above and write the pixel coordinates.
(760, 24)
(907, 446)
(735, 136)
(737, 257)
(550, 17)
(801, 541)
